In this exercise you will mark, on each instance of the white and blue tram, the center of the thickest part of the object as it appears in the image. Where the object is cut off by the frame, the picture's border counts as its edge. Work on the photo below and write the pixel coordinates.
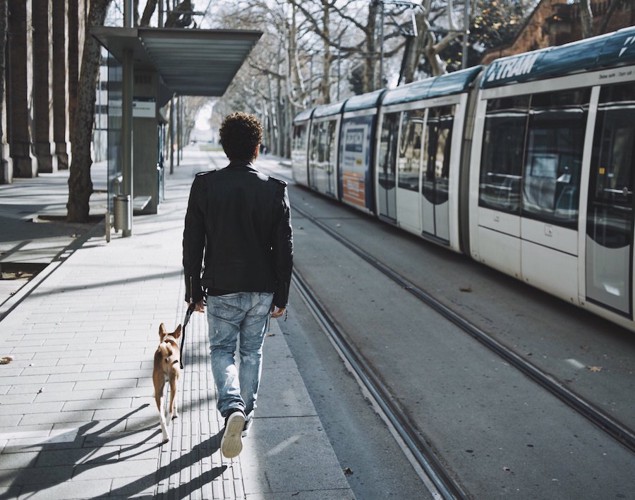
(526, 165)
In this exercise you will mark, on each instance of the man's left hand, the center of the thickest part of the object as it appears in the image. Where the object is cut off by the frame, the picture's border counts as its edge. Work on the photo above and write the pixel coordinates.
(277, 311)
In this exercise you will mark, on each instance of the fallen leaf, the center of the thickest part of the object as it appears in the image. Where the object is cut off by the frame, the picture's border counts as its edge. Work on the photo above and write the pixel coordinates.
(594, 369)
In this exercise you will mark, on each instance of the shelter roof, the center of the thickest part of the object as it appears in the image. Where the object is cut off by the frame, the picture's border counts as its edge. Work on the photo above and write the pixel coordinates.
(188, 61)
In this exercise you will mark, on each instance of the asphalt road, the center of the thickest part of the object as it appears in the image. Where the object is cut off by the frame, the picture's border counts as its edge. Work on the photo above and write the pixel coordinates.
(498, 432)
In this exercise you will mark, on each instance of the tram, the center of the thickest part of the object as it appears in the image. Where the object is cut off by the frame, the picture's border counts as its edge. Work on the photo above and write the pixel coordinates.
(526, 165)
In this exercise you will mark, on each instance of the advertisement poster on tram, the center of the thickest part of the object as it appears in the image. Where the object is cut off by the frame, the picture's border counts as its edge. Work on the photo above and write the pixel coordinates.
(355, 159)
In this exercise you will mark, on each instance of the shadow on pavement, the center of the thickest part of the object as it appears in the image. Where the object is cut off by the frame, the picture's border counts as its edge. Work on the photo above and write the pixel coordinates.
(59, 461)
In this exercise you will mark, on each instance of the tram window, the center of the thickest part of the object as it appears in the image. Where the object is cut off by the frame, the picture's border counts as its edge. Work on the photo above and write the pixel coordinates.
(610, 206)
(388, 150)
(322, 150)
(502, 156)
(315, 139)
(299, 142)
(299, 137)
(332, 151)
(554, 147)
(323, 142)
(410, 147)
(437, 173)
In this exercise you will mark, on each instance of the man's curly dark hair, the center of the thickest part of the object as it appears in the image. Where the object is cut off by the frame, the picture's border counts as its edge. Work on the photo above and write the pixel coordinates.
(240, 136)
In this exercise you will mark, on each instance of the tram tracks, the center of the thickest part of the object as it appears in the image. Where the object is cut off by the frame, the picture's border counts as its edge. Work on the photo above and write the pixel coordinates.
(425, 458)
(435, 476)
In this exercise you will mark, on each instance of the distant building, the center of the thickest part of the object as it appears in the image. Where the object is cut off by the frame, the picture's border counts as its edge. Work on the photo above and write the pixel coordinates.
(556, 22)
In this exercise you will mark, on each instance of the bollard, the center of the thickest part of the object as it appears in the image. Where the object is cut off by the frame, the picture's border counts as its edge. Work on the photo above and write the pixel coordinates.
(123, 213)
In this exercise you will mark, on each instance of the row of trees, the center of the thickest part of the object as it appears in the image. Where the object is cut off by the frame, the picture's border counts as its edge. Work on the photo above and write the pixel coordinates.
(312, 51)
(321, 51)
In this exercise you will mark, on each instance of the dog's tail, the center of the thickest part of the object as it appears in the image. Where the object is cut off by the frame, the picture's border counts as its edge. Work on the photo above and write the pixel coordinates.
(166, 352)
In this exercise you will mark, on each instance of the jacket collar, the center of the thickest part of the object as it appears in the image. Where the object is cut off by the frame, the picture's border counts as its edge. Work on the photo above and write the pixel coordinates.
(241, 163)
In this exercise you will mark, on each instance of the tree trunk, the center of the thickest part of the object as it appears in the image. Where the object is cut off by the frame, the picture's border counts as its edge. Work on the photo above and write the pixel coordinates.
(3, 46)
(6, 172)
(297, 89)
(325, 82)
(586, 19)
(372, 55)
(80, 185)
(412, 57)
(150, 7)
(606, 19)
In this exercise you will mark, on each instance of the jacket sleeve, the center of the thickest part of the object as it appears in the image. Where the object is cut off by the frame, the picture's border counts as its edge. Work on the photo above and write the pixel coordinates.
(194, 243)
(283, 249)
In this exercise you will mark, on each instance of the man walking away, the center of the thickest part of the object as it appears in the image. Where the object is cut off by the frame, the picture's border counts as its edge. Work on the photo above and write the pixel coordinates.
(238, 251)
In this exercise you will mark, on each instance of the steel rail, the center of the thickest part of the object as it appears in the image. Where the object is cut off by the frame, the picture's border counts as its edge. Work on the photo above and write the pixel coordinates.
(442, 484)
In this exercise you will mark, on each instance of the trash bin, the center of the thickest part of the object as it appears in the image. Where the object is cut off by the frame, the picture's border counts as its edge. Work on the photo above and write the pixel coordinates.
(123, 212)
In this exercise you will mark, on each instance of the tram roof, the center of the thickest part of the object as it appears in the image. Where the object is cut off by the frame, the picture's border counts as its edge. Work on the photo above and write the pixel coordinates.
(303, 115)
(364, 101)
(451, 83)
(328, 109)
(188, 61)
(613, 49)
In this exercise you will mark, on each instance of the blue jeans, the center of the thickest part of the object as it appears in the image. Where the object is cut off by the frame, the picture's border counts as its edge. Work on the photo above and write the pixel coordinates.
(242, 316)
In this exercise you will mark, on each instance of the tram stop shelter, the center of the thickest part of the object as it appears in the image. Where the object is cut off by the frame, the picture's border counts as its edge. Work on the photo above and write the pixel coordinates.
(146, 68)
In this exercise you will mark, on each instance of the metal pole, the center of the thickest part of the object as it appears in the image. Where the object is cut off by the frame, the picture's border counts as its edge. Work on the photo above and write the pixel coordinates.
(311, 81)
(127, 14)
(339, 64)
(179, 134)
(466, 32)
(126, 114)
(172, 125)
(381, 48)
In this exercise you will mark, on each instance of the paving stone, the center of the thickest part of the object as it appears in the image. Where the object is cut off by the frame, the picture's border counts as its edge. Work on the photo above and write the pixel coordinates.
(57, 418)
(70, 490)
(32, 408)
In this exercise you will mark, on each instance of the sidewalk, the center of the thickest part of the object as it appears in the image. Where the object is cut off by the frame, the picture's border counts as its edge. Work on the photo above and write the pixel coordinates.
(77, 416)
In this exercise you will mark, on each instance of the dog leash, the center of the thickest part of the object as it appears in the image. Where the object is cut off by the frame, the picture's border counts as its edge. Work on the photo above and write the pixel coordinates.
(188, 315)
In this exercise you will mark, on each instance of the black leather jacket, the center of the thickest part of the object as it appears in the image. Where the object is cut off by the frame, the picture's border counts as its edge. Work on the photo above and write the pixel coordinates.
(238, 222)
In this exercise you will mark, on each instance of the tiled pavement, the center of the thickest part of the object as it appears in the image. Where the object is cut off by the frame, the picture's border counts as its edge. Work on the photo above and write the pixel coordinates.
(77, 417)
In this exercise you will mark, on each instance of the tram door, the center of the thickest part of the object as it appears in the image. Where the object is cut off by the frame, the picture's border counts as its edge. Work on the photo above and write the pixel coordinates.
(435, 207)
(609, 241)
(386, 167)
(409, 158)
(323, 158)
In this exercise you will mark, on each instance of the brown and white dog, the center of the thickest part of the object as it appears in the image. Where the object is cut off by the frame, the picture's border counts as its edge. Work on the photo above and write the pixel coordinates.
(167, 367)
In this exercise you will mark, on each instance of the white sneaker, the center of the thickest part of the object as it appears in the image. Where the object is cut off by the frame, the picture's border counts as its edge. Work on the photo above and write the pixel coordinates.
(231, 445)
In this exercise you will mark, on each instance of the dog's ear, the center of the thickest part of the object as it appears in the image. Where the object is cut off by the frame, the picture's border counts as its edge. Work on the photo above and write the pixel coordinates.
(177, 332)
(162, 331)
